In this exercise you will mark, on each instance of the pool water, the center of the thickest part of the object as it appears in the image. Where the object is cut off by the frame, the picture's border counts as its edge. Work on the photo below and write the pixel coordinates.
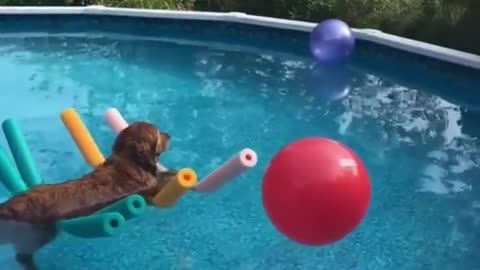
(422, 151)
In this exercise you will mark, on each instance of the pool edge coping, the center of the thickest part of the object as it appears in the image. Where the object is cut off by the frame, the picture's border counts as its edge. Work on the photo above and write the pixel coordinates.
(372, 35)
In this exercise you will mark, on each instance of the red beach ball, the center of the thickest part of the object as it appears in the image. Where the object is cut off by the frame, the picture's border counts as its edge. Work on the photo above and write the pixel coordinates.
(316, 191)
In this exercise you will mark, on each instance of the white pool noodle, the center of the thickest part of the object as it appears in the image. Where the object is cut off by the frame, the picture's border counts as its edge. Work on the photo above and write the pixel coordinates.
(236, 165)
(115, 120)
(117, 123)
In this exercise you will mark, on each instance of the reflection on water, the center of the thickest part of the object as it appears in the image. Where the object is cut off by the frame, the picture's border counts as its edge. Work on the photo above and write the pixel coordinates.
(330, 83)
(422, 151)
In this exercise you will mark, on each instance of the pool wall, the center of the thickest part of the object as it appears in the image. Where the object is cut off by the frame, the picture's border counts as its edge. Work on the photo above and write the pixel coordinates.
(371, 35)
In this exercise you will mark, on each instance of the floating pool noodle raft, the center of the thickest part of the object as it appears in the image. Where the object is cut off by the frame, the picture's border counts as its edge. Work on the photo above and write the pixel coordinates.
(22, 155)
(169, 195)
(81, 136)
(9, 175)
(241, 162)
(26, 175)
(94, 226)
(130, 207)
(115, 120)
(107, 221)
(236, 165)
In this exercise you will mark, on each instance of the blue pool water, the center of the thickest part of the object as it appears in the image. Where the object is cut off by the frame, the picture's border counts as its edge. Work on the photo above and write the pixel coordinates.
(218, 88)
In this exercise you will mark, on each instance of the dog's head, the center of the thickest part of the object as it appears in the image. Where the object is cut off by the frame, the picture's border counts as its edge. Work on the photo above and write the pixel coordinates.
(141, 143)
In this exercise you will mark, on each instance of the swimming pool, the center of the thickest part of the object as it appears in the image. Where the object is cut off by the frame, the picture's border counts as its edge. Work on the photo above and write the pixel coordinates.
(219, 87)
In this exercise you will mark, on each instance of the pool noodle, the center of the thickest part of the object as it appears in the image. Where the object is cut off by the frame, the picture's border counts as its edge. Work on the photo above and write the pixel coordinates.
(117, 123)
(236, 165)
(129, 207)
(94, 226)
(22, 155)
(115, 120)
(10, 176)
(174, 190)
(82, 137)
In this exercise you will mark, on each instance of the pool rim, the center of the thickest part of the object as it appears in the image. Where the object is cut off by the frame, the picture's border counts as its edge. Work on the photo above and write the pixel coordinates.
(371, 35)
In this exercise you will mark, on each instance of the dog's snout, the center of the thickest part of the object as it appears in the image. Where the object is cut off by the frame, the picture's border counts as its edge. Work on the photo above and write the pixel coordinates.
(166, 135)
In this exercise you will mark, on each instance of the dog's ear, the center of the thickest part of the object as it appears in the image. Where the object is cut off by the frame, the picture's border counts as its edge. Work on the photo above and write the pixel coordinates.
(146, 154)
(140, 152)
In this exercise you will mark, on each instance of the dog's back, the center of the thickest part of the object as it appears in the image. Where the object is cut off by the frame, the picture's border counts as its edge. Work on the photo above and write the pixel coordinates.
(47, 204)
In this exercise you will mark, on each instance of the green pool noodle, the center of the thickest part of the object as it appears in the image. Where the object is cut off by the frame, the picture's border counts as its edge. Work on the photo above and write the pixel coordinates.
(93, 226)
(129, 207)
(21, 153)
(9, 175)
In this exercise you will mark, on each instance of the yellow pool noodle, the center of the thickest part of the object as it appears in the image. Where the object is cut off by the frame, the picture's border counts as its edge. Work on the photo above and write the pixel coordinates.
(171, 193)
(82, 137)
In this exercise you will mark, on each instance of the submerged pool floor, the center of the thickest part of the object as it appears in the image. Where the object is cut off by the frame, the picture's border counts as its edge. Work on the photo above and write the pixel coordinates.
(422, 160)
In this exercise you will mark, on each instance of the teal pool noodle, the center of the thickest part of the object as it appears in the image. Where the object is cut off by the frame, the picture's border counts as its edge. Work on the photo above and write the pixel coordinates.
(129, 207)
(21, 153)
(93, 226)
(9, 175)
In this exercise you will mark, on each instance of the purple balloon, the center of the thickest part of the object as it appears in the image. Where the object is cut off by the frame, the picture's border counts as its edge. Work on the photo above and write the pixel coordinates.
(331, 42)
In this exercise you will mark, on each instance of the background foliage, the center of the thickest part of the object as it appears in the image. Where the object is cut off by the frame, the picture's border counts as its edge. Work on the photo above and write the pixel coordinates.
(448, 23)
(445, 22)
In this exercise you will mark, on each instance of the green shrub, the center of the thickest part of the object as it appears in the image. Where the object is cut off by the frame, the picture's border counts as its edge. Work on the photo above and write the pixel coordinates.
(148, 4)
(444, 22)
(36, 2)
(448, 23)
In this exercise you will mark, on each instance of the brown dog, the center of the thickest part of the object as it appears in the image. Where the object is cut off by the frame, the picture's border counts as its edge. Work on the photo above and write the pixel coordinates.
(28, 220)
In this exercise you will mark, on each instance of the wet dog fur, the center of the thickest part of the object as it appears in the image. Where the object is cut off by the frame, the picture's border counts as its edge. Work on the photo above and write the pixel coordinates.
(28, 220)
